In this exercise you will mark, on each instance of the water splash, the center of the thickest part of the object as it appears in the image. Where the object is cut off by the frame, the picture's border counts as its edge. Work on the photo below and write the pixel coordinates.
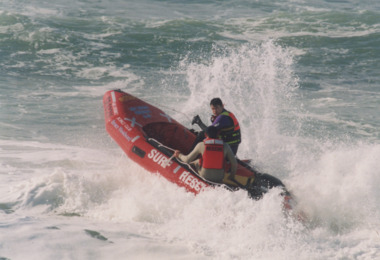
(331, 176)
(256, 83)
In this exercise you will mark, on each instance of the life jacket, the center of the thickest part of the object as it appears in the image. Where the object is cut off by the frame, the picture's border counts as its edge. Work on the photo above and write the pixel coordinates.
(231, 135)
(213, 156)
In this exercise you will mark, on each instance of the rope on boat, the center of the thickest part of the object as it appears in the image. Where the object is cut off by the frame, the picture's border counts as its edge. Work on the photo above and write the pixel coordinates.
(160, 144)
(170, 108)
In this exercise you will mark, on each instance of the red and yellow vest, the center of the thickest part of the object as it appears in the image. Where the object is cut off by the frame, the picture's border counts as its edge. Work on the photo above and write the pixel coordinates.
(231, 135)
(213, 156)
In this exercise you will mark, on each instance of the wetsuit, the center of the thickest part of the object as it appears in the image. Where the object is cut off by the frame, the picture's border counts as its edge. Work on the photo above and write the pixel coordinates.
(229, 129)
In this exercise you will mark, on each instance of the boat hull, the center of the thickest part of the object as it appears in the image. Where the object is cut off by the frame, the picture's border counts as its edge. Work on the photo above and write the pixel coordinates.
(149, 137)
(125, 119)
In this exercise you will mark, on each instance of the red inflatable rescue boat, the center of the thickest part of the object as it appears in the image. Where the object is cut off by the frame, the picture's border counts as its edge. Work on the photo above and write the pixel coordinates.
(149, 137)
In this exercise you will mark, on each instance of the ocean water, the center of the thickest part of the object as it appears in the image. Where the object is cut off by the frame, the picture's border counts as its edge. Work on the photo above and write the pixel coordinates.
(302, 77)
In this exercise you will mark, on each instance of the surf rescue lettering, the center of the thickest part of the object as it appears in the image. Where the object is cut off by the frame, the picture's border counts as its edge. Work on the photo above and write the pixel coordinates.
(192, 181)
(159, 158)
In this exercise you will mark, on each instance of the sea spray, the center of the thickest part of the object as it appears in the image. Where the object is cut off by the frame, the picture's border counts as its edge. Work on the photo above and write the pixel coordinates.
(339, 189)
(256, 83)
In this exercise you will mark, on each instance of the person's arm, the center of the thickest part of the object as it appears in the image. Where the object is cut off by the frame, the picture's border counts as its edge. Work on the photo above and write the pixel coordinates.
(202, 125)
(197, 120)
(222, 122)
(231, 157)
(192, 155)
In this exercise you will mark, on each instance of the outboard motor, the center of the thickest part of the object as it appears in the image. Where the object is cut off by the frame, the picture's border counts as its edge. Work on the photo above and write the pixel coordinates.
(262, 183)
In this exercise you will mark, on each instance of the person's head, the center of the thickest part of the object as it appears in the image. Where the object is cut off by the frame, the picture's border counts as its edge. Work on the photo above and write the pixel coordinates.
(217, 106)
(212, 132)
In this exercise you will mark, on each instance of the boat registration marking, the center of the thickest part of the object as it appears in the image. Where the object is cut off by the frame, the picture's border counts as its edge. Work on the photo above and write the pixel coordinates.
(121, 130)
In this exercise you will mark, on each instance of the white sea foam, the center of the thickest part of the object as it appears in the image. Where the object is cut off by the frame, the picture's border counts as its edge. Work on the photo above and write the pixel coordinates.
(68, 191)
(258, 96)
